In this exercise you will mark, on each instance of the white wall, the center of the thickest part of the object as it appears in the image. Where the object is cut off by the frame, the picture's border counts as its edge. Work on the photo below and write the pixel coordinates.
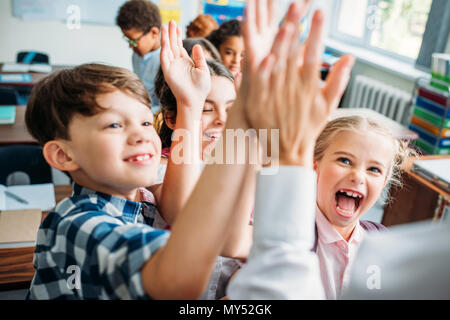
(90, 43)
(104, 43)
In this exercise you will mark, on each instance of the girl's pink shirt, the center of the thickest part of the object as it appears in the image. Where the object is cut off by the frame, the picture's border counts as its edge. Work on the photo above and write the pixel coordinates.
(335, 255)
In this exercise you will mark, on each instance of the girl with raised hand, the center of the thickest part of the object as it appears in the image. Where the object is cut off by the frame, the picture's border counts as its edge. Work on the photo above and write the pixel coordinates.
(196, 96)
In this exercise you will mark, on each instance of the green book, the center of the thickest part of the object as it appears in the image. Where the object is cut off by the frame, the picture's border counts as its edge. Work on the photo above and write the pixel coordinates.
(430, 149)
(431, 117)
(7, 114)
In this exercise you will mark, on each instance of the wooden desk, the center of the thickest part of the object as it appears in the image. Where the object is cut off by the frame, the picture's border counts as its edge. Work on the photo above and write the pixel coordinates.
(417, 200)
(399, 131)
(16, 132)
(16, 264)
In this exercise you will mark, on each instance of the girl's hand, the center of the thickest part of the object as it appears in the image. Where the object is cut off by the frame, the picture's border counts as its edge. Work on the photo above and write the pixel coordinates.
(284, 91)
(189, 79)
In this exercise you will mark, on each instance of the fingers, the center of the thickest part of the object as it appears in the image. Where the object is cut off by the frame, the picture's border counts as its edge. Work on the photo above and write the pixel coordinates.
(250, 19)
(313, 48)
(296, 11)
(237, 81)
(166, 55)
(199, 57)
(272, 12)
(261, 15)
(337, 81)
(282, 45)
(179, 41)
(173, 39)
(259, 91)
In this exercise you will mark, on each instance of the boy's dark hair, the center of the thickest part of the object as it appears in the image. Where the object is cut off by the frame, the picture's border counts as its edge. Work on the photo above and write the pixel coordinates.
(227, 29)
(189, 44)
(139, 14)
(57, 98)
(169, 103)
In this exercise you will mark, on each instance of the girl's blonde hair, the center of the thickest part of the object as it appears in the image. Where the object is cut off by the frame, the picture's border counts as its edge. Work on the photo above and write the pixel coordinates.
(401, 148)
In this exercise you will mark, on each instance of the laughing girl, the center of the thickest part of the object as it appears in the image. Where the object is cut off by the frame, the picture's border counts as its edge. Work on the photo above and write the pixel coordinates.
(354, 158)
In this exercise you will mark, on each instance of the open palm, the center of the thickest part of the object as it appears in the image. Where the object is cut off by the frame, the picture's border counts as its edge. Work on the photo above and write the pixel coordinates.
(189, 79)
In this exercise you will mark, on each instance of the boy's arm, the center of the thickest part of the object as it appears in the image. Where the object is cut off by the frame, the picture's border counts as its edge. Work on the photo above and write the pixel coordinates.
(259, 30)
(240, 238)
(182, 268)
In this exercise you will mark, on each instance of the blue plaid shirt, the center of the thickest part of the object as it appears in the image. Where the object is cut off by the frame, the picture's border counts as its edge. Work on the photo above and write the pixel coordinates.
(93, 246)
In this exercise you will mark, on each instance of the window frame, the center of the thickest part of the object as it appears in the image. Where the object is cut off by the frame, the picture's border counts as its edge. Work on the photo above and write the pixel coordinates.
(435, 28)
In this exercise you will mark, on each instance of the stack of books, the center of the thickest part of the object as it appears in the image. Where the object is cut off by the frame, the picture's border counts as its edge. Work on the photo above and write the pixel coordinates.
(431, 113)
(26, 67)
(11, 78)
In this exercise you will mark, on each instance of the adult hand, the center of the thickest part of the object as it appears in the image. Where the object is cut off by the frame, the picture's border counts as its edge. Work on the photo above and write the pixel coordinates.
(189, 79)
(284, 91)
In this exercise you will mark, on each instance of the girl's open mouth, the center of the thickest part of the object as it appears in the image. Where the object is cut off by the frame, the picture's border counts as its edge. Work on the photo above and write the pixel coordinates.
(347, 202)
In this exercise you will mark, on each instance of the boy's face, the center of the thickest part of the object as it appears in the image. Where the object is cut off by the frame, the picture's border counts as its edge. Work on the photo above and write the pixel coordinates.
(117, 150)
(145, 41)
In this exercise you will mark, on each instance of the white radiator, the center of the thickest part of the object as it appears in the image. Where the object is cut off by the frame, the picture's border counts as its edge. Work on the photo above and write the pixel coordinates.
(372, 94)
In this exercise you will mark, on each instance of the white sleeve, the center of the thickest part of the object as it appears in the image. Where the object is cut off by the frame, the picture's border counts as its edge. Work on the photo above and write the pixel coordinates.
(280, 264)
(411, 261)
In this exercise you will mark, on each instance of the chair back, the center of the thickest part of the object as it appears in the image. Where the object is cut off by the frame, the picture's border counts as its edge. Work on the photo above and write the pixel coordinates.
(9, 96)
(32, 57)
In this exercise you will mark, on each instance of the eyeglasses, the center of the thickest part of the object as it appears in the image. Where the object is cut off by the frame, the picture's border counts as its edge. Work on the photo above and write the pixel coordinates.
(134, 43)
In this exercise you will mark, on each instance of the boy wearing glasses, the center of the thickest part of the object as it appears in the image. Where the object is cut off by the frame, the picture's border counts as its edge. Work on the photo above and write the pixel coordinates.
(140, 22)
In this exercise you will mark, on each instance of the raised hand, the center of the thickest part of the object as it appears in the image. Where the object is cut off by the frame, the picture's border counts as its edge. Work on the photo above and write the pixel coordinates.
(261, 26)
(189, 79)
(284, 92)
(259, 30)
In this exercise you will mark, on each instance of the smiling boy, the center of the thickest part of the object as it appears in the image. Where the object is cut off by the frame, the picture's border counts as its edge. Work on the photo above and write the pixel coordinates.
(95, 123)
(140, 22)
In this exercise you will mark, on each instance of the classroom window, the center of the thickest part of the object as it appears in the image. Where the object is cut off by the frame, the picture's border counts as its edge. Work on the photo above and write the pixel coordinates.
(397, 28)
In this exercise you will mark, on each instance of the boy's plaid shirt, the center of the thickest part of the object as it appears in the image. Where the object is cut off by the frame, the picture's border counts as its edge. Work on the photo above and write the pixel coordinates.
(93, 246)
